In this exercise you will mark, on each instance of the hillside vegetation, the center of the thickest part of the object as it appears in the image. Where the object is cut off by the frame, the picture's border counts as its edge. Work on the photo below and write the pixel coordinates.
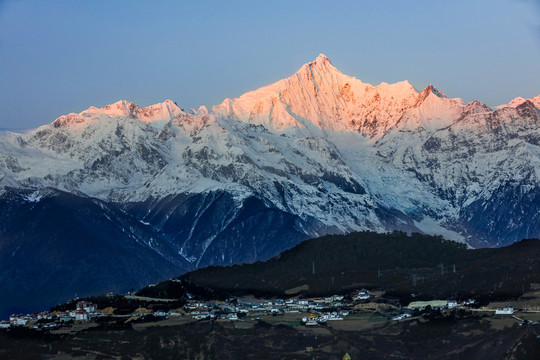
(406, 266)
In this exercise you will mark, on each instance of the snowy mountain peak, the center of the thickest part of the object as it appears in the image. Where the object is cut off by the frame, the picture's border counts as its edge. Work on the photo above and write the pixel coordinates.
(430, 90)
(433, 110)
(527, 108)
(519, 100)
(164, 111)
(322, 58)
(160, 112)
(321, 64)
(436, 91)
(477, 107)
(201, 110)
(318, 98)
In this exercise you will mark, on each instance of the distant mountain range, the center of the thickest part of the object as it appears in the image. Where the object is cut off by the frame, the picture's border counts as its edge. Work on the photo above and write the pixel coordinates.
(13, 130)
(320, 152)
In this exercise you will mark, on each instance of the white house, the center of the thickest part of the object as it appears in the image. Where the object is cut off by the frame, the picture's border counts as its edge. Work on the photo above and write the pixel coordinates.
(362, 295)
(505, 311)
(86, 306)
(44, 315)
(401, 317)
(79, 315)
(4, 325)
(19, 320)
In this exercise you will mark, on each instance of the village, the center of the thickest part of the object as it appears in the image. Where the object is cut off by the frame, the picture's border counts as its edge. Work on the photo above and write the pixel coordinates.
(317, 311)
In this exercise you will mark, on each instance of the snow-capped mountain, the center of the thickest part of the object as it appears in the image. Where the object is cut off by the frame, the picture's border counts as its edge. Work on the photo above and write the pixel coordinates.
(319, 152)
(319, 98)
(519, 100)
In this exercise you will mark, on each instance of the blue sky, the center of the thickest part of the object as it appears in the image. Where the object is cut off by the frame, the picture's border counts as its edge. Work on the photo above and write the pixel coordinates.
(58, 57)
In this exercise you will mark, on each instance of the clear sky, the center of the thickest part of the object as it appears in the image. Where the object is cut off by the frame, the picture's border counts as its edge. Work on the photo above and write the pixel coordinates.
(58, 57)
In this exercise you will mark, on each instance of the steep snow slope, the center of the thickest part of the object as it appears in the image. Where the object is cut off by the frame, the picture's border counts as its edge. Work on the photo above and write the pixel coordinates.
(486, 164)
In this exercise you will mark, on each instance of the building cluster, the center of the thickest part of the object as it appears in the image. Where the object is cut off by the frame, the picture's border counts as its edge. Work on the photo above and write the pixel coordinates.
(317, 310)
(321, 318)
(449, 304)
(434, 304)
(321, 309)
(84, 311)
(439, 304)
(234, 309)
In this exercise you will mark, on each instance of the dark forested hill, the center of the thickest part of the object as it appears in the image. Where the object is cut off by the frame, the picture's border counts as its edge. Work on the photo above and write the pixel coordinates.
(423, 265)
